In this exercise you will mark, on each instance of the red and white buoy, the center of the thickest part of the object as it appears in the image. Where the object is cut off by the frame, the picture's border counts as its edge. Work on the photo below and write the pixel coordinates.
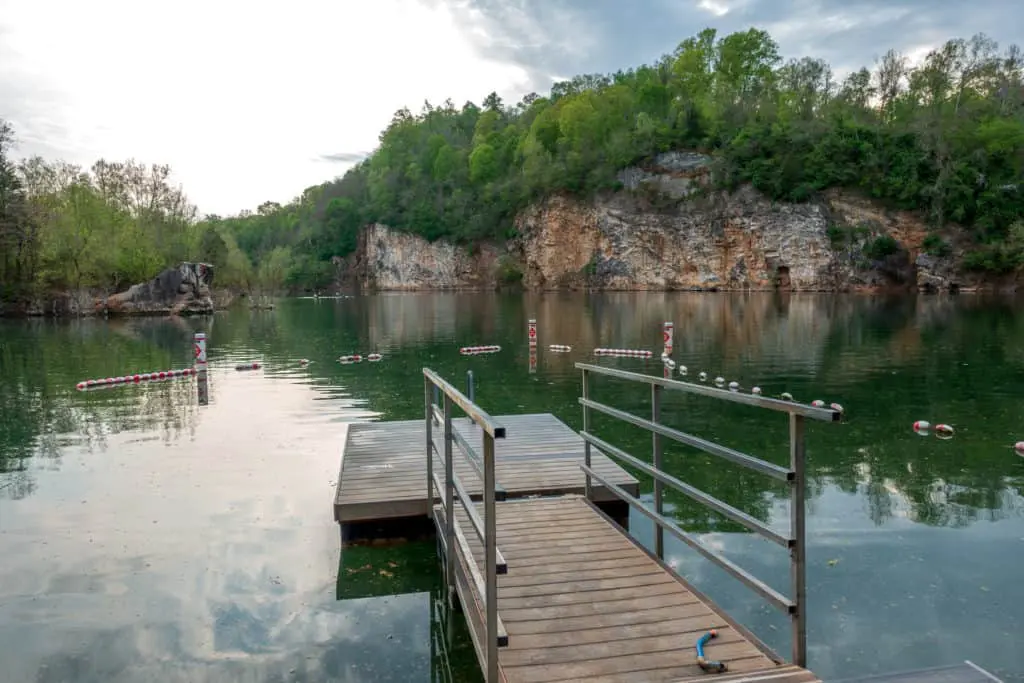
(943, 430)
(531, 331)
(374, 357)
(922, 426)
(1019, 447)
(559, 348)
(668, 336)
(818, 403)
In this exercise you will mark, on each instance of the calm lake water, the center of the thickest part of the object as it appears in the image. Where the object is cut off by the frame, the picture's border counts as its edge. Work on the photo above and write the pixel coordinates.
(177, 532)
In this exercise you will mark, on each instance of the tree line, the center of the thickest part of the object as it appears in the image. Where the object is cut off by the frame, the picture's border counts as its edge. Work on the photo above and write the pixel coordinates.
(944, 137)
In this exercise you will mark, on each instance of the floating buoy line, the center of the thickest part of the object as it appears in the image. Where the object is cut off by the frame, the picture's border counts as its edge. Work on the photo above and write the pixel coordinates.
(631, 353)
(476, 350)
(357, 358)
(559, 348)
(157, 376)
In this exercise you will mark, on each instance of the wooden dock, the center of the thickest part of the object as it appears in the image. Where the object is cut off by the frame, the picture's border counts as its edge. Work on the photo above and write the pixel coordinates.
(582, 601)
(384, 470)
(551, 587)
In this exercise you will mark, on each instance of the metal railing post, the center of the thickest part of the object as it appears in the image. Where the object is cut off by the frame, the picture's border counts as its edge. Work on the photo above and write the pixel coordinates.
(470, 388)
(429, 417)
(798, 493)
(449, 499)
(659, 532)
(586, 444)
(491, 560)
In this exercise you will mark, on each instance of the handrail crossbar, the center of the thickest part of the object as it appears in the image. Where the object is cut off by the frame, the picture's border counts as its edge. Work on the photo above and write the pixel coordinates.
(763, 589)
(748, 461)
(794, 476)
(485, 583)
(790, 407)
(692, 492)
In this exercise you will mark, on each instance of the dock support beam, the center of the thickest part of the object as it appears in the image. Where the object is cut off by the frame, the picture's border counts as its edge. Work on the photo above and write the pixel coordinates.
(798, 494)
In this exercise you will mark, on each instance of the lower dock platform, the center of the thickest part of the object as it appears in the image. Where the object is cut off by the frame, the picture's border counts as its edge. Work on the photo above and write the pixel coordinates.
(384, 471)
(583, 601)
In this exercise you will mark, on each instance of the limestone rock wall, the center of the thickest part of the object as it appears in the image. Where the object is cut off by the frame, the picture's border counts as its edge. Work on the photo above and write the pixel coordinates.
(668, 230)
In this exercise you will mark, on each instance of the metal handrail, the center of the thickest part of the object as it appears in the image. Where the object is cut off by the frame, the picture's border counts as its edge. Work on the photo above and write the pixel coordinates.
(494, 563)
(794, 475)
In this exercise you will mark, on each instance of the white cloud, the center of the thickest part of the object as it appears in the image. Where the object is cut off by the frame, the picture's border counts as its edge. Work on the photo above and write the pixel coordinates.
(242, 99)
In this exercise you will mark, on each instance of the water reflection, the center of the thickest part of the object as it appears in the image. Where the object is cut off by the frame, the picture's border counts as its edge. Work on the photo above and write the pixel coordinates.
(172, 529)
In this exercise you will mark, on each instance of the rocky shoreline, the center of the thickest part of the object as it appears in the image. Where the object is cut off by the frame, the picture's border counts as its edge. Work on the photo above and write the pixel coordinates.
(184, 290)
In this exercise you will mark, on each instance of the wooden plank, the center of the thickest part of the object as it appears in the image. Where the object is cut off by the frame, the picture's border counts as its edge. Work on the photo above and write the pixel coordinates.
(583, 602)
(383, 470)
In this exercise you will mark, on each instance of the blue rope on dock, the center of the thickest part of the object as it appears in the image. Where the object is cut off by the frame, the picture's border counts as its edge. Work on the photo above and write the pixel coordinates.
(705, 664)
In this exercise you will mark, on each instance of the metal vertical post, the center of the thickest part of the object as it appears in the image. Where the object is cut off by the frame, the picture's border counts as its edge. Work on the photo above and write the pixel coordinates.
(659, 532)
(798, 492)
(470, 388)
(449, 499)
(586, 444)
(491, 560)
(429, 417)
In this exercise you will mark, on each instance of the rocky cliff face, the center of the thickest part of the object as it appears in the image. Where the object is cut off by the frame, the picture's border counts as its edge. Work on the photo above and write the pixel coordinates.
(390, 260)
(668, 230)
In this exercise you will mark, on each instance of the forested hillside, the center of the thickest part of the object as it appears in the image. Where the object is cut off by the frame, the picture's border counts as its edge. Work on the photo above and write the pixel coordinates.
(945, 137)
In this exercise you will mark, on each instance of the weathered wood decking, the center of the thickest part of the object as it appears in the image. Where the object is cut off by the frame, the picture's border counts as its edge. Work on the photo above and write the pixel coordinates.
(582, 601)
(384, 472)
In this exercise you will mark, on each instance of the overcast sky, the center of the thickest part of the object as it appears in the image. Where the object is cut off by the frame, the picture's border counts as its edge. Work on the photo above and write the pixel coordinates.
(250, 101)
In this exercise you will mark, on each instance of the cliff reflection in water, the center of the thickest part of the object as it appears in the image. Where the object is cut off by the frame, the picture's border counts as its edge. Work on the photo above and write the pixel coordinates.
(889, 360)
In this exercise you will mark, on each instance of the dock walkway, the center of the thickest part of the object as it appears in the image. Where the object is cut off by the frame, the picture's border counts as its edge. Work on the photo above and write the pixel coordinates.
(583, 601)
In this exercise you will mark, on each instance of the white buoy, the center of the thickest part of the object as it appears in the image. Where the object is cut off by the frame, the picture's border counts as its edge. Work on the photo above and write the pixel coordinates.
(703, 377)
(1019, 447)
(756, 391)
(734, 386)
(786, 396)
(943, 430)
(719, 380)
(683, 370)
(669, 363)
